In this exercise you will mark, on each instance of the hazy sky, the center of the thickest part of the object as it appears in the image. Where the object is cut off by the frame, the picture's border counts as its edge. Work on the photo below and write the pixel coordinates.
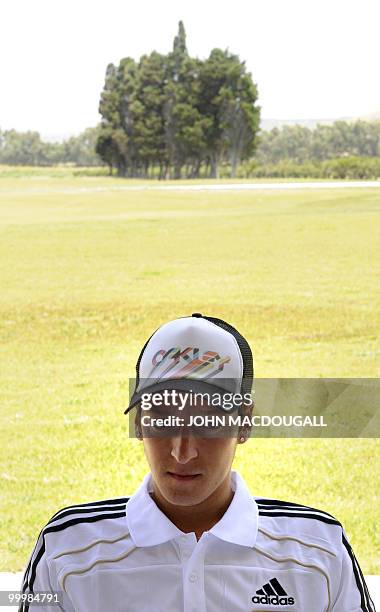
(309, 58)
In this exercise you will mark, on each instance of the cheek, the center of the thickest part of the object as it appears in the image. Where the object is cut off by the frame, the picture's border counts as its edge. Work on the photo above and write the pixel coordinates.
(219, 453)
(155, 451)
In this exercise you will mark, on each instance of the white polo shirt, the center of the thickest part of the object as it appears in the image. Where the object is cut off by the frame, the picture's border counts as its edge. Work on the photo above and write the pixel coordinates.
(125, 555)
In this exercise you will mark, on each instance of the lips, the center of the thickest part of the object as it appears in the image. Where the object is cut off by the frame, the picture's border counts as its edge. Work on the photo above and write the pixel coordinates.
(183, 477)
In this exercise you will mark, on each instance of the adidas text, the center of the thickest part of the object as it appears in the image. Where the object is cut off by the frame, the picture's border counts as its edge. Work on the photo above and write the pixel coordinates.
(273, 600)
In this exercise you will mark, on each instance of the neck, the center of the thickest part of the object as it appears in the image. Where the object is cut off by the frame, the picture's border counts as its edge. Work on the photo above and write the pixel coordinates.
(199, 517)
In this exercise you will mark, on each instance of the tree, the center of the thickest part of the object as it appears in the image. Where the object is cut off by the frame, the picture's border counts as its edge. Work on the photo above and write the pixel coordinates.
(22, 148)
(148, 111)
(228, 98)
(241, 117)
(81, 149)
(114, 107)
(176, 111)
(185, 126)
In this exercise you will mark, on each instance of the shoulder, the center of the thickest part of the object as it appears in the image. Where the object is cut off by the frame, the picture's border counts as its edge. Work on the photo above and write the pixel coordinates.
(284, 519)
(313, 539)
(76, 528)
(86, 522)
(101, 508)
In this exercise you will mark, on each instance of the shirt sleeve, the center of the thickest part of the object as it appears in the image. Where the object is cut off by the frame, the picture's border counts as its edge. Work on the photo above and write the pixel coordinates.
(353, 595)
(37, 577)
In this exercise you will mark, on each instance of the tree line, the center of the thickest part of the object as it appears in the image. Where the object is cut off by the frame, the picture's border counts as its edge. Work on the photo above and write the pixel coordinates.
(325, 142)
(327, 150)
(169, 115)
(28, 149)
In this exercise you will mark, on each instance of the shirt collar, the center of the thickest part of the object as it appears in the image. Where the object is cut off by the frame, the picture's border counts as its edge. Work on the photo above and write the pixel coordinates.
(149, 526)
(239, 523)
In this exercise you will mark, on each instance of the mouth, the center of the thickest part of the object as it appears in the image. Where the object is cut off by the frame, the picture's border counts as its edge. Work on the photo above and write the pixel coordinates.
(183, 477)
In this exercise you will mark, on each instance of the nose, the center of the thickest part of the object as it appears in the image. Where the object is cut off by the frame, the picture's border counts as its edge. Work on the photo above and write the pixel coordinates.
(184, 448)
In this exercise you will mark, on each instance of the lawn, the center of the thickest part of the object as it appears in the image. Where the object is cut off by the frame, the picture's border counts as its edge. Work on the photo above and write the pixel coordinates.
(89, 271)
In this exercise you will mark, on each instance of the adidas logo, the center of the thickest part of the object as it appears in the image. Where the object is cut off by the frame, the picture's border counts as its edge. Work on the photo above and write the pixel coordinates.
(272, 593)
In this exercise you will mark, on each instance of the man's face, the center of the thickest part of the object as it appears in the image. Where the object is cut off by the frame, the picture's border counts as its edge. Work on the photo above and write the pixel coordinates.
(205, 460)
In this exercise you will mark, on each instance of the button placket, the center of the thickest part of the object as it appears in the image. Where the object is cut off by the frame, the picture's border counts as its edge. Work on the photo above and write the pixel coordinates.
(186, 545)
(193, 584)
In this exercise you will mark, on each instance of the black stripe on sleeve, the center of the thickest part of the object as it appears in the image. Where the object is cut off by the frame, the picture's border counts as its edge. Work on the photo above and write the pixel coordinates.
(104, 502)
(25, 578)
(80, 510)
(365, 599)
(301, 514)
(276, 503)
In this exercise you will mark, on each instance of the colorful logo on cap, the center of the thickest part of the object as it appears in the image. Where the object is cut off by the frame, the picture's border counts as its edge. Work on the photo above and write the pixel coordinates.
(187, 363)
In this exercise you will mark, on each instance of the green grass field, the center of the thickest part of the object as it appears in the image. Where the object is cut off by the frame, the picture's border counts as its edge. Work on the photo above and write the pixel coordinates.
(89, 271)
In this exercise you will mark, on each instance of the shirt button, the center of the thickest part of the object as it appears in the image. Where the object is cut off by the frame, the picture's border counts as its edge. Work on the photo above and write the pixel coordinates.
(193, 577)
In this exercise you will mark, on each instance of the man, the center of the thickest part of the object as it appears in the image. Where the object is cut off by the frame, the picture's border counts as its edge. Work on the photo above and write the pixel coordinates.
(192, 538)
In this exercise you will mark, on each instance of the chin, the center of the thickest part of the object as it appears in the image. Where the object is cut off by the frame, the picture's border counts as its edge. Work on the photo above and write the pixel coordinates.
(182, 496)
(183, 499)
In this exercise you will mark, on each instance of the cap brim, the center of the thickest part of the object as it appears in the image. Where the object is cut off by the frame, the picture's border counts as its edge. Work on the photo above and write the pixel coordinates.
(182, 384)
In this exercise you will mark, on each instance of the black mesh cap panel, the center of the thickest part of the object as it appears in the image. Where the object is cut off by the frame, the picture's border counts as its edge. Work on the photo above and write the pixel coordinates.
(245, 350)
(139, 359)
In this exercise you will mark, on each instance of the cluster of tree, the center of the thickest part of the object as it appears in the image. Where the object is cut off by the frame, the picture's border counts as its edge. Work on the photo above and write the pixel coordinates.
(171, 114)
(28, 149)
(292, 151)
(340, 139)
(338, 168)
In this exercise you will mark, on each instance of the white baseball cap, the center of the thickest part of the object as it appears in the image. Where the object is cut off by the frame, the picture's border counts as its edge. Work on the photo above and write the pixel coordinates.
(194, 353)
